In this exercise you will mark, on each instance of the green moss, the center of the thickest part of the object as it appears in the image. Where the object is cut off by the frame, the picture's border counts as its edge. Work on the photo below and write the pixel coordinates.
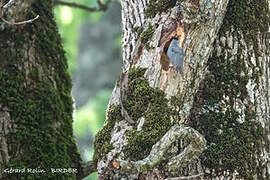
(43, 143)
(248, 16)
(159, 6)
(231, 145)
(150, 103)
(39, 102)
(138, 30)
(102, 143)
(251, 18)
(136, 73)
(147, 35)
(143, 100)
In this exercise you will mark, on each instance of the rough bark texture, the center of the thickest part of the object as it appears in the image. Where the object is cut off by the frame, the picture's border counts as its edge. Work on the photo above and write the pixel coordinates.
(222, 92)
(232, 105)
(35, 101)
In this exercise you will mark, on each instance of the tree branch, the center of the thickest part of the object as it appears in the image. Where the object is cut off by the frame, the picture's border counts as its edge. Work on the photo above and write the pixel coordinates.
(20, 23)
(186, 177)
(88, 168)
(4, 9)
(159, 150)
(101, 6)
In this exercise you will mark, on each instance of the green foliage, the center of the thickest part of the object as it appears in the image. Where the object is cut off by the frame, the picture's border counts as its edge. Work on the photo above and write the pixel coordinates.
(150, 103)
(90, 118)
(68, 21)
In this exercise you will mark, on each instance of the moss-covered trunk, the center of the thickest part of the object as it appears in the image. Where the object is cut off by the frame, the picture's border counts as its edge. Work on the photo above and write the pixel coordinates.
(208, 120)
(232, 106)
(35, 101)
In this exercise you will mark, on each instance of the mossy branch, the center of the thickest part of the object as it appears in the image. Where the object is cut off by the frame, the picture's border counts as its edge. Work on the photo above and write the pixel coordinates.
(101, 6)
(160, 149)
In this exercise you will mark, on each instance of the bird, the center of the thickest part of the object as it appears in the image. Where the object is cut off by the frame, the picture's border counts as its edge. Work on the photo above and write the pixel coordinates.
(176, 54)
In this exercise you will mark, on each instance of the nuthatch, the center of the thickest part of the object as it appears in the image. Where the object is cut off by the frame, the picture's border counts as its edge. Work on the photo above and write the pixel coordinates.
(176, 54)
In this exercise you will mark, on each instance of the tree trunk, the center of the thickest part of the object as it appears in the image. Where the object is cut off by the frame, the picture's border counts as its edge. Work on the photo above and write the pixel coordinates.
(208, 120)
(35, 101)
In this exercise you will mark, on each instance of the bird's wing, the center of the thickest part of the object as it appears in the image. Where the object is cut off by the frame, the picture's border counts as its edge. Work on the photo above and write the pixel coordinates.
(176, 50)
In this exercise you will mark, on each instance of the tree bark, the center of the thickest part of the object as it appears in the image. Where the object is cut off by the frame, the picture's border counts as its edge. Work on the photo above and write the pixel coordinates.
(35, 101)
(209, 120)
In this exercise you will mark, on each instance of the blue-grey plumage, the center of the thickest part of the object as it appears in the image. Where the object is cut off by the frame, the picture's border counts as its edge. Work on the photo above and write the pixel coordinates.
(176, 54)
